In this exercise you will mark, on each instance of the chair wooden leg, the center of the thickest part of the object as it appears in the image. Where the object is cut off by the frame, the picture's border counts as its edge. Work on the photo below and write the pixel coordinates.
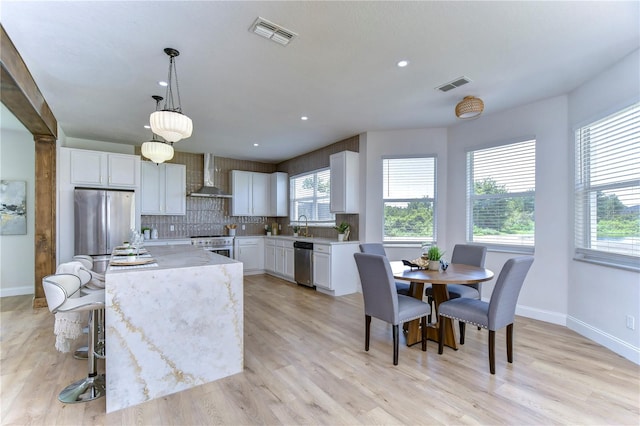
(492, 351)
(395, 344)
(367, 327)
(430, 301)
(424, 334)
(441, 336)
(462, 327)
(510, 343)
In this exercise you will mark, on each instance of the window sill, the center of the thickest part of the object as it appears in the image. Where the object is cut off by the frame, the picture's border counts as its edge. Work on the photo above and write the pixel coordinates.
(608, 264)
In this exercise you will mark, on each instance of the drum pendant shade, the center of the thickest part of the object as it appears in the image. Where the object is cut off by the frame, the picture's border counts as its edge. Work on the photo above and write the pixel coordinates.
(158, 152)
(172, 126)
(469, 107)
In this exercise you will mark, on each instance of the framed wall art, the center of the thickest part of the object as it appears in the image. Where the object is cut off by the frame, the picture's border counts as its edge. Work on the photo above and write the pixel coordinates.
(13, 207)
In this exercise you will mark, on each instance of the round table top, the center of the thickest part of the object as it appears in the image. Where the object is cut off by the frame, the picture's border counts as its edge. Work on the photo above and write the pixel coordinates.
(456, 273)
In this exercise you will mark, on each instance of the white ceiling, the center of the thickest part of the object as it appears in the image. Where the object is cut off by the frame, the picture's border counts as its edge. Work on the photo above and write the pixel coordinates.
(98, 63)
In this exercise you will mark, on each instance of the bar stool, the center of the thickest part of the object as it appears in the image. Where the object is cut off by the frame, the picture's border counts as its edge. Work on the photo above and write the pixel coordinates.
(60, 291)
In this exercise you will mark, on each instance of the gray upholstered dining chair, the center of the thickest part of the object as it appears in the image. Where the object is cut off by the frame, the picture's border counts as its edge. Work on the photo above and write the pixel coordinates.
(378, 248)
(466, 254)
(383, 302)
(499, 312)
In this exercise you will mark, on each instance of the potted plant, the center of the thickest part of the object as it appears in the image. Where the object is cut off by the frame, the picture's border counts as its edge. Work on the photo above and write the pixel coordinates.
(434, 254)
(343, 231)
(146, 232)
(267, 228)
(295, 230)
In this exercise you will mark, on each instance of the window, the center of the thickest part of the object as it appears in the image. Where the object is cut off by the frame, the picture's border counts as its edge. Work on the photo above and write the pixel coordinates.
(607, 189)
(309, 196)
(409, 195)
(500, 195)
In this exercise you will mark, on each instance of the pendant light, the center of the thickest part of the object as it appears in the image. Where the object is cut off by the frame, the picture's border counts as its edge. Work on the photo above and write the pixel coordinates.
(170, 122)
(469, 107)
(156, 150)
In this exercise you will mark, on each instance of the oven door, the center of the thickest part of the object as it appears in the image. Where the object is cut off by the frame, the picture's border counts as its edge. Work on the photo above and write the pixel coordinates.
(223, 251)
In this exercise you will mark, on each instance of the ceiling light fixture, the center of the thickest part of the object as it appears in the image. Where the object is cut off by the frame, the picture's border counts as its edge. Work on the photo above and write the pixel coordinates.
(402, 63)
(170, 122)
(469, 107)
(304, 118)
(156, 150)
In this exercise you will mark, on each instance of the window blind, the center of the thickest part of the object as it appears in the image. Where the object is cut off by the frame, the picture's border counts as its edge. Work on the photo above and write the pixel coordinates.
(501, 195)
(409, 197)
(607, 189)
(309, 195)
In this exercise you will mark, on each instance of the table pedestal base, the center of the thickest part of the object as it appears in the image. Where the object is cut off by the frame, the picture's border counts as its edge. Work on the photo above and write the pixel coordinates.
(413, 333)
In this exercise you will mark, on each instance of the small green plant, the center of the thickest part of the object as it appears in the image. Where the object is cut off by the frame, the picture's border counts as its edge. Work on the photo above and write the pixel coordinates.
(342, 228)
(296, 229)
(267, 228)
(434, 253)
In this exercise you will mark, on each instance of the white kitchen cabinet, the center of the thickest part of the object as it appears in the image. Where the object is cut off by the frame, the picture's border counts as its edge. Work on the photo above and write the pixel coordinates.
(270, 255)
(278, 258)
(163, 188)
(278, 199)
(322, 266)
(345, 175)
(250, 251)
(103, 169)
(251, 193)
(284, 259)
(334, 269)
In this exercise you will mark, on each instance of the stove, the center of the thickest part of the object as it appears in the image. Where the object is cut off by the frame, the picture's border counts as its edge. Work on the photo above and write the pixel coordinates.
(220, 244)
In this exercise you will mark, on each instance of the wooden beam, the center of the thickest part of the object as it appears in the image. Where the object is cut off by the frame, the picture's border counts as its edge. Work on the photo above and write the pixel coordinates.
(20, 93)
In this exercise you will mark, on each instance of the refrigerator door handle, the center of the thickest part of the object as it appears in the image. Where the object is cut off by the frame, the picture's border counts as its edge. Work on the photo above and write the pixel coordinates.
(108, 221)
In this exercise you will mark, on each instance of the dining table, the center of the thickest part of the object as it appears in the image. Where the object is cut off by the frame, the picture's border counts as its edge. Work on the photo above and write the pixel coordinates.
(455, 273)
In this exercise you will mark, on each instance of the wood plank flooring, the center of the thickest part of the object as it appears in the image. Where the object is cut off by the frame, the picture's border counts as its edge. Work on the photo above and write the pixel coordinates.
(305, 364)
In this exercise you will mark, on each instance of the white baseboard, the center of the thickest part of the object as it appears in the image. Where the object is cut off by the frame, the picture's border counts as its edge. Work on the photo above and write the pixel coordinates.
(16, 291)
(542, 315)
(622, 348)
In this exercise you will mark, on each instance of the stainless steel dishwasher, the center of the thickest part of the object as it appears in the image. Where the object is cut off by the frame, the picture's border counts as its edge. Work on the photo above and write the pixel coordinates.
(303, 263)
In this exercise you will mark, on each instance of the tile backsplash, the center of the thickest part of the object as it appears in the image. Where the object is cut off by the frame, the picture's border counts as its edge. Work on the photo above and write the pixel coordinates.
(209, 216)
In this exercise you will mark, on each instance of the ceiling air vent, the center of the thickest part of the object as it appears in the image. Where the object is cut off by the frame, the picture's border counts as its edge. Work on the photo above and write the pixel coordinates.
(460, 81)
(273, 32)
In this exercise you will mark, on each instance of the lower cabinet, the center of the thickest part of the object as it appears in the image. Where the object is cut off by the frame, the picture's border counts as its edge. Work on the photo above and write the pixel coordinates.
(334, 268)
(250, 251)
(278, 258)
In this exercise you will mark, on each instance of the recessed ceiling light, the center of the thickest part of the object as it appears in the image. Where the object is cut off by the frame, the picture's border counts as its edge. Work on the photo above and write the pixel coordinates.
(256, 144)
(402, 63)
(163, 83)
(304, 118)
(146, 126)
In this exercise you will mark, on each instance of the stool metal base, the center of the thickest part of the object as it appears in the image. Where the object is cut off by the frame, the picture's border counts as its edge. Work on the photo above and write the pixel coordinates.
(84, 390)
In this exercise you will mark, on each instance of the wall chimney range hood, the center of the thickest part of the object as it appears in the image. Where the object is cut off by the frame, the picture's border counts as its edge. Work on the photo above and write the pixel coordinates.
(208, 189)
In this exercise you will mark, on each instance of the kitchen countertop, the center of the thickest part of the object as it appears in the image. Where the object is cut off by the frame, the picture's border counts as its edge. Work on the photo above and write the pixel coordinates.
(315, 240)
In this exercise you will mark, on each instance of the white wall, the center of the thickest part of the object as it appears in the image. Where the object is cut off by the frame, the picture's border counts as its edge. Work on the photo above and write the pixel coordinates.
(374, 146)
(544, 294)
(602, 297)
(17, 162)
(94, 145)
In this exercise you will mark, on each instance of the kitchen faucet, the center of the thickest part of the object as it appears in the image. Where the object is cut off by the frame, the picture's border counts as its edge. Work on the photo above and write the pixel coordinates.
(306, 224)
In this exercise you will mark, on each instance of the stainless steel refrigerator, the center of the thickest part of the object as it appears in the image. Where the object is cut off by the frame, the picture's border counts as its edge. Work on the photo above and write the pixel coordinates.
(103, 220)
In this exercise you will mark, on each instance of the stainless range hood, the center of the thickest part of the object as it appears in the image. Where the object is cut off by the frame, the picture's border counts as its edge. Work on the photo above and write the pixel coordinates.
(208, 189)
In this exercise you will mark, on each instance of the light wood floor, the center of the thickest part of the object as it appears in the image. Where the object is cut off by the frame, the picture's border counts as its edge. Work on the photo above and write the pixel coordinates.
(305, 364)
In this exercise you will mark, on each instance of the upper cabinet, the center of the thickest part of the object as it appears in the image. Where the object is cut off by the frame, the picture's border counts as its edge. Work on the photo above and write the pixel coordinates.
(258, 194)
(163, 188)
(345, 175)
(102, 169)
(279, 204)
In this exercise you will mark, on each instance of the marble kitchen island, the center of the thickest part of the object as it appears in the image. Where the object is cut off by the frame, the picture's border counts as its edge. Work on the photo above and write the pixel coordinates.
(172, 326)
